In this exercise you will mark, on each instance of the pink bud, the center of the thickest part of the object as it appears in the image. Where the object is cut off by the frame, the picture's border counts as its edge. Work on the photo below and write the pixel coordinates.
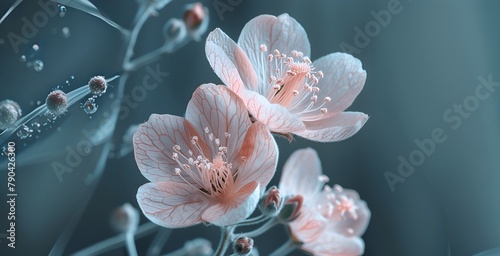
(98, 85)
(291, 208)
(125, 218)
(243, 246)
(196, 19)
(194, 15)
(57, 102)
(271, 201)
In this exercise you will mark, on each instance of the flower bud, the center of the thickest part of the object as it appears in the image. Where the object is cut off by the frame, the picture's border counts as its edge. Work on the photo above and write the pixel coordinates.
(174, 30)
(98, 85)
(125, 218)
(196, 20)
(10, 111)
(271, 202)
(57, 102)
(291, 209)
(243, 246)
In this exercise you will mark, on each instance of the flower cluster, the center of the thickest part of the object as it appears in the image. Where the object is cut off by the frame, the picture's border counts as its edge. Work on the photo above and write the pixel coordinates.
(331, 220)
(213, 165)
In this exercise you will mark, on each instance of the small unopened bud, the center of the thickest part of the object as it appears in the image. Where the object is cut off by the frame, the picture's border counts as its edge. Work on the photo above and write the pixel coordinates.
(174, 30)
(196, 20)
(193, 16)
(198, 247)
(10, 111)
(271, 202)
(57, 102)
(291, 208)
(243, 246)
(125, 218)
(98, 85)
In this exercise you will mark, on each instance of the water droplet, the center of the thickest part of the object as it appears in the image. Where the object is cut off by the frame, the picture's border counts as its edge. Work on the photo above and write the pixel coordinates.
(38, 65)
(22, 58)
(38, 103)
(35, 125)
(89, 106)
(65, 32)
(35, 47)
(62, 11)
(24, 132)
(72, 77)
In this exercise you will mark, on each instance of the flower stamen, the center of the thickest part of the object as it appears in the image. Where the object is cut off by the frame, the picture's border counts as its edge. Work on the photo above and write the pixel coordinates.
(211, 175)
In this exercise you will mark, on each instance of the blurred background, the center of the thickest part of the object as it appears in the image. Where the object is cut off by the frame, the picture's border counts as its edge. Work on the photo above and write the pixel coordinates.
(424, 68)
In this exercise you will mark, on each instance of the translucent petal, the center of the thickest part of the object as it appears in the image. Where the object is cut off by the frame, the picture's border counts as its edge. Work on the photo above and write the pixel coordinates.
(230, 62)
(171, 204)
(260, 154)
(276, 117)
(154, 142)
(239, 208)
(301, 173)
(334, 128)
(283, 33)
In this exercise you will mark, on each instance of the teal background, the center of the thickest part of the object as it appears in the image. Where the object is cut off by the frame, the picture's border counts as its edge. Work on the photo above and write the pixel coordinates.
(424, 61)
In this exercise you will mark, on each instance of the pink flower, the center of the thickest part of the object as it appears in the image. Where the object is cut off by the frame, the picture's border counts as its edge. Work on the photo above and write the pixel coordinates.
(269, 69)
(208, 167)
(331, 220)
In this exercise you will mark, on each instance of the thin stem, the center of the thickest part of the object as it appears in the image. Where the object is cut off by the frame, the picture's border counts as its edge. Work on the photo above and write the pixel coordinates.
(261, 230)
(147, 58)
(286, 248)
(159, 241)
(130, 243)
(14, 5)
(62, 241)
(252, 221)
(73, 97)
(116, 241)
(135, 32)
(227, 234)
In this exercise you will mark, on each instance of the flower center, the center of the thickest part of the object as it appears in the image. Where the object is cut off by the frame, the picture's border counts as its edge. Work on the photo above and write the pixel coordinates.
(336, 203)
(211, 175)
(293, 84)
